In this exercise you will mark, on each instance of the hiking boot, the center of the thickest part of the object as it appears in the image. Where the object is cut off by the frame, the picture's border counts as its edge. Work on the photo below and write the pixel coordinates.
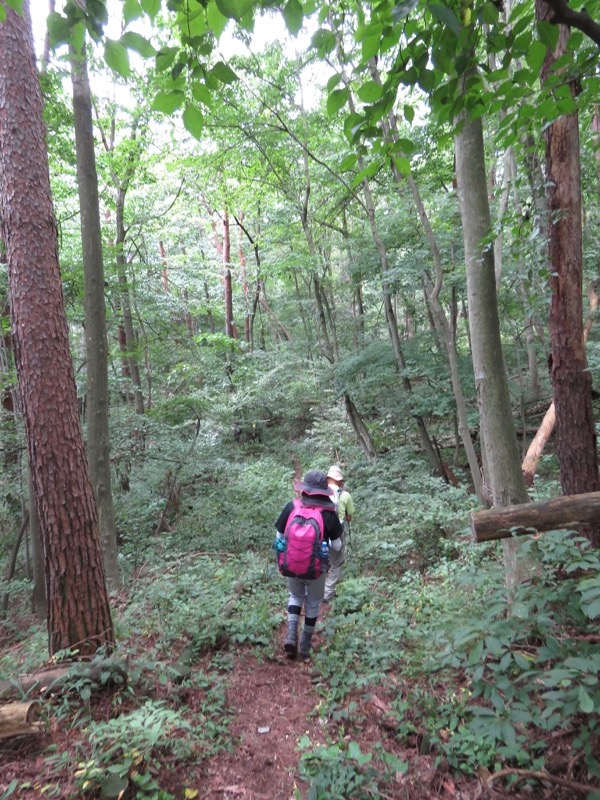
(290, 644)
(305, 643)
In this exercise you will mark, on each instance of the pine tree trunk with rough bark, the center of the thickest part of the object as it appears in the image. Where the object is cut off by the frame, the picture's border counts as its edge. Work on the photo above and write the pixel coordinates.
(78, 608)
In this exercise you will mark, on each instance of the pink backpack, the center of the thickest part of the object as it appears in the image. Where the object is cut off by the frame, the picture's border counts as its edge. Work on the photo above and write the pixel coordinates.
(303, 535)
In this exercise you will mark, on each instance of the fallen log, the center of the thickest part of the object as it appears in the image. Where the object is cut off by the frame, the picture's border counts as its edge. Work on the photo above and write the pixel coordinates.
(20, 719)
(568, 511)
(51, 681)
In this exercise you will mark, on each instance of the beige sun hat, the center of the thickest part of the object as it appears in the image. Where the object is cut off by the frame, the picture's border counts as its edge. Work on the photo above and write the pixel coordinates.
(335, 473)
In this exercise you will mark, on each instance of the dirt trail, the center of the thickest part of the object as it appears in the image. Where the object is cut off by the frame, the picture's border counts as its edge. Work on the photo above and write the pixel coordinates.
(273, 703)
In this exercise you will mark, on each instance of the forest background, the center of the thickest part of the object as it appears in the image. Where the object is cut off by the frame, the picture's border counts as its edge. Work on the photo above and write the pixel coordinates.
(283, 240)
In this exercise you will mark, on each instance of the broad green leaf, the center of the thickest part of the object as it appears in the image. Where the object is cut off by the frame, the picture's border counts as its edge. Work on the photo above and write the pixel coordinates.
(216, 21)
(131, 10)
(333, 82)
(134, 41)
(370, 92)
(202, 93)
(293, 16)
(193, 121)
(167, 102)
(348, 163)
(365, 174)
(402, 165)
(323, 41)
(117, 58)
(2, 18)
(151, 7)
(16, 5)
(409, 113)
(192, 23)
(165, 58)
(223, 72)
(586, 703)
(370, 46)
(591, 610)
(59, 27)
(337, 100)
(548, 34)
(235, 9)
(535, 56)
(447, 17)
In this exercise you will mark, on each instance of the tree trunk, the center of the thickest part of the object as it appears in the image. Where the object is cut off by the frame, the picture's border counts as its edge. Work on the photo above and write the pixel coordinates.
(96, 344)
(229, 321)
(359, 427)
(78, 609)
(125, 303)
(571, 380)
(499, 439)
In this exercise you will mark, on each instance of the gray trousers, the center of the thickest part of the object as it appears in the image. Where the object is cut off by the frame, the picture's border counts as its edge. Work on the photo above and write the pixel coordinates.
(338, 559)
(306, 593)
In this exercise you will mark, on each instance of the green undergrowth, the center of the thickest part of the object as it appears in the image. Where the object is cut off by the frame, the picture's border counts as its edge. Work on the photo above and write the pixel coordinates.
(479, 683)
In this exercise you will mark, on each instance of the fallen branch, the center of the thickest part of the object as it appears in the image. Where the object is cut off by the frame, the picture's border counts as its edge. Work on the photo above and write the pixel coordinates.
(541, 775)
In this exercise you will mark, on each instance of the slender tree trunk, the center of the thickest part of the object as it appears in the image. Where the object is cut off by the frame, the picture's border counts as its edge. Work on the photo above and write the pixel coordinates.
(78, 608)
(125, 302)
(499, 439)
(98, 437)
(229, 323)
(360, 429)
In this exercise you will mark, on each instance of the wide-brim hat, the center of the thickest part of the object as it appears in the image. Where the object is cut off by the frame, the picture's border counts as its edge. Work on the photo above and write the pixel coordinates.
(314, 483)
(335, 473)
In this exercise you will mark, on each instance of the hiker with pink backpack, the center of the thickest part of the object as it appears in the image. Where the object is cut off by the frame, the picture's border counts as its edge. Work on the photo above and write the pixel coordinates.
(306, 529)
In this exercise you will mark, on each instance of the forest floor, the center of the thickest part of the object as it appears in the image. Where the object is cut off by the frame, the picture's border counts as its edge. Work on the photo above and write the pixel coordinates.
(273, 702)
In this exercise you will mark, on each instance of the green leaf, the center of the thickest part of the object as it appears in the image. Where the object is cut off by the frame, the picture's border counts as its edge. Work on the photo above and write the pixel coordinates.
(117, 58)
(591, 610)
(165, 57)
(235, 9)
(134, 41)
(535, 56)
(370, 46)
(223, 73)
(323, 41)
(409, 113)
(59, 28)
(168, 102)
(348, 163)
(202, 93)
(293, 16)
(2, 18)
(365, 174)
(216, 21)
(131, 10)
(151, 7)
(16, 5)
(370, 92)
(337, 100)
(193, 121)
(333, 82)
(447, 17)
(586, 703)
(402, 165)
